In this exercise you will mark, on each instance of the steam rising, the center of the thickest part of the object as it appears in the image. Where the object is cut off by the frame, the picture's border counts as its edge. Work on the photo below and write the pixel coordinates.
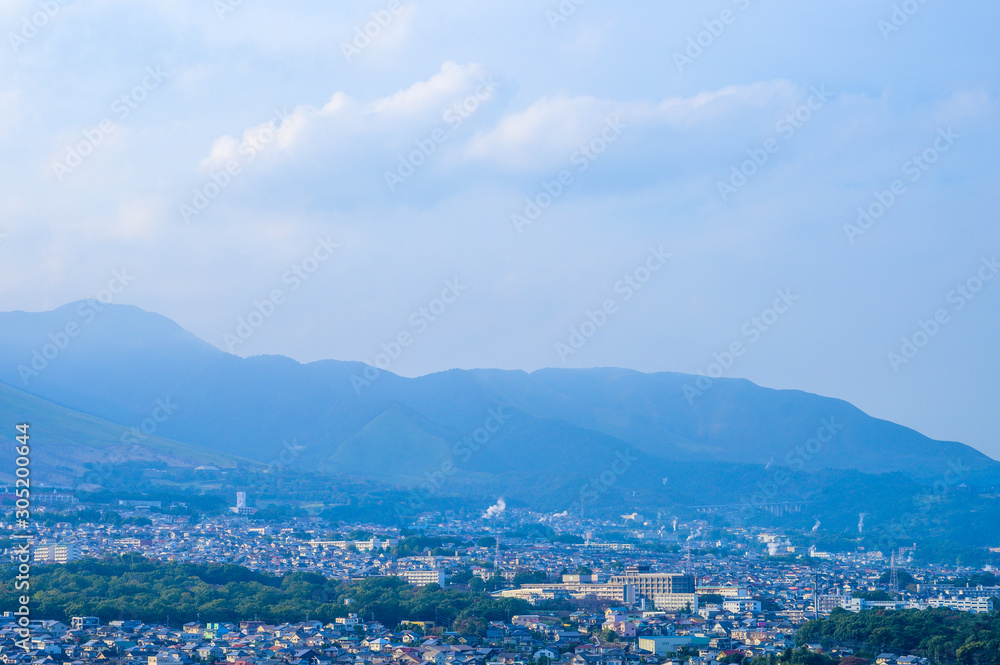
(496, 510)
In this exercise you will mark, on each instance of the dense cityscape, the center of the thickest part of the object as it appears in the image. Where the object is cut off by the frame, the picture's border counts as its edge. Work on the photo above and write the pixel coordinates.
(534, 332)
(662, 592)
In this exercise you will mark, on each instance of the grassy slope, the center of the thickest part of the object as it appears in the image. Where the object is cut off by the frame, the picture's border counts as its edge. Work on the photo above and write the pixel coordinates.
(64, 440)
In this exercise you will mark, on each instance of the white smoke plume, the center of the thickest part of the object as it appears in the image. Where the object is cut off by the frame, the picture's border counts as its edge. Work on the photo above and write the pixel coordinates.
(675, 524)
(694, 535)
(861, 522)
(815, 527)
(496, 510)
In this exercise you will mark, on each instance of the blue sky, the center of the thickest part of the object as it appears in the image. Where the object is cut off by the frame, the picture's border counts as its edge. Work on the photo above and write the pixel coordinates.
(212, 148)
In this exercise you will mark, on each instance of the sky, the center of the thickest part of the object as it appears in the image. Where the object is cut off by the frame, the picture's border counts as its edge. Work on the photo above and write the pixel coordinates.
(800, 194)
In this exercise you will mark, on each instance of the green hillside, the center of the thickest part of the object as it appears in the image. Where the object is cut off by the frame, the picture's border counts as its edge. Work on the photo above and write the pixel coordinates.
(67, 444)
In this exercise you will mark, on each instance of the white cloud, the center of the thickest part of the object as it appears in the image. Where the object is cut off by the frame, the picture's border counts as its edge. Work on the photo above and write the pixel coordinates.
(544, 134)
(708, 105)
(439, 89)
(346, 131)
(343, 121)
(970, 103)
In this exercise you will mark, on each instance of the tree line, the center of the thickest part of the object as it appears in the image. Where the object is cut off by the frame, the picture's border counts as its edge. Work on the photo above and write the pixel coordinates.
(134, 587)
(942, 635)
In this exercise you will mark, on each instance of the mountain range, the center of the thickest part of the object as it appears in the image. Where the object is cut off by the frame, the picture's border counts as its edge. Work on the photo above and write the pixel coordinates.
(95, 378)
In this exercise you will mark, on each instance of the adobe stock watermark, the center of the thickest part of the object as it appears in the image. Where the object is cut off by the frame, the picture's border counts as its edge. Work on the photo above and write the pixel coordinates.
(86, 312)
(785, 129)
(582, 158)
(266, 477)
(705, 39)
(625, 289)
(225, 7)
(928, 329)
(161, 412)
(21, 554)
(253, 143)
(290, 452)
(464, 450)
(419, 321)
(563, 11)
(365, 35)
(454, 117)
(296, 275)
(32, 25)
(899, 16)
(133, 437)
(796, 458)
(123, 106)
(914, 169)
(751, 332)
(598, 486)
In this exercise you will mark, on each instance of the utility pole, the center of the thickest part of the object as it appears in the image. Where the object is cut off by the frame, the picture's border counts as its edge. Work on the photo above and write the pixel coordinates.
(815, 596)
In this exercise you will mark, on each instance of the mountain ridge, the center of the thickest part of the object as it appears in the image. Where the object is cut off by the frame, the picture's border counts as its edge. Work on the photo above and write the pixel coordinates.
(123, 359)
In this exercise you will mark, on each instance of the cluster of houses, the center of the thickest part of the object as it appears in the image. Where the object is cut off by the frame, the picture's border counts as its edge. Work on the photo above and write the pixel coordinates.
(577, 638)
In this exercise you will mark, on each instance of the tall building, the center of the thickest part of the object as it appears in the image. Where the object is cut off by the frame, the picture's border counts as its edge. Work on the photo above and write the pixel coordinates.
(649, 585)
(241, 507)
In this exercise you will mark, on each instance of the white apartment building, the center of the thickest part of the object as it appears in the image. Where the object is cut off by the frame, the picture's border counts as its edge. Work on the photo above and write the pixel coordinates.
(619, 593)
(56, 553)
(976, 605)
(423, 577)
(741, 605)
(675, 602)
(359, 545)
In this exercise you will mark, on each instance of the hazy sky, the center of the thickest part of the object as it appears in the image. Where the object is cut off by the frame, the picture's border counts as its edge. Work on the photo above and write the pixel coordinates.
(511, 167)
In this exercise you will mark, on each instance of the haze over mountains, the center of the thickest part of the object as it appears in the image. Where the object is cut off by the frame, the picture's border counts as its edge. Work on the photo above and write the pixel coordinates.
(192, 403)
